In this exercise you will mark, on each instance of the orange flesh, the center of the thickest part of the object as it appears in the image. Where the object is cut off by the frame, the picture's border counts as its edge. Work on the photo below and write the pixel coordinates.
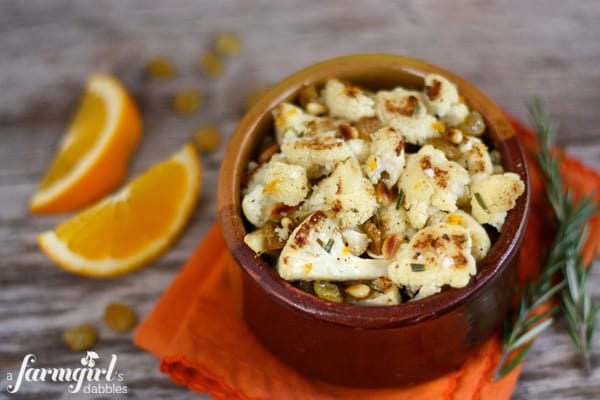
(84, 134)
(113, 230)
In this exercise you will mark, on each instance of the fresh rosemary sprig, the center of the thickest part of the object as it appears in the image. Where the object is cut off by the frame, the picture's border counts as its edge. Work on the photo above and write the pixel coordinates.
(534, 313)
(576, 301)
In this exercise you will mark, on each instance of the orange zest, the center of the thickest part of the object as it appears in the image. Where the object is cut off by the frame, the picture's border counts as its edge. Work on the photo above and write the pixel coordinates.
(132, 227)
(94, 152)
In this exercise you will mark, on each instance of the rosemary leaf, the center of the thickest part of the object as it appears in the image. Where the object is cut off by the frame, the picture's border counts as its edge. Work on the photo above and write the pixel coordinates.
(544, 297)
(515, 361)
(328, 245)
(535, 319)
(416, 109)
(576, 301)
(375, 287)
(400, 199)
(530, 334)
(563, 257)
(481, 202)
(417, 267)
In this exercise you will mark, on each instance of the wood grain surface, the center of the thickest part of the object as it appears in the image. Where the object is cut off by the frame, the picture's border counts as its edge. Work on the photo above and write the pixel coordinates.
(509, 49)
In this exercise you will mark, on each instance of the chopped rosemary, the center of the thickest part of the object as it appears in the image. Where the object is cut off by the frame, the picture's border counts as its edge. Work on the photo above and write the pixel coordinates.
(534, 313)
(416, 109)
(400, 200)
(481, 202)
(328, 245)
(378, 218)
(417, 267)
(375, 288)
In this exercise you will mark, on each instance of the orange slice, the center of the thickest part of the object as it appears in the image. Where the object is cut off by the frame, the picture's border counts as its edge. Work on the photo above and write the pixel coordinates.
(130, 228)
(93, 154)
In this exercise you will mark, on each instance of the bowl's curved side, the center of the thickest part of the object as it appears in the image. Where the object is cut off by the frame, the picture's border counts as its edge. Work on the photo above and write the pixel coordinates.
(394, 356)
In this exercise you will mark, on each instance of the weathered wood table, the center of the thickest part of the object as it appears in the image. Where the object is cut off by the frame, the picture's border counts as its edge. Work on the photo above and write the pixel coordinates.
(509, 49)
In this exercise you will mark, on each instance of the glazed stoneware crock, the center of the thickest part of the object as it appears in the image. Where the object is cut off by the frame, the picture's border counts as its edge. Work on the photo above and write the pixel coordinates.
(370, 346)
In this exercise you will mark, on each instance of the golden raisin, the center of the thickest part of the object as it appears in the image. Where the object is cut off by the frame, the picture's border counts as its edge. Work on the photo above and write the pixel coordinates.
(307, 94)
(272, 239)
(80, 337)
(374, 234)
(368, 125)
(161, 68)
(473, 124)
(228, 44)
(187, 101)
(328, 291)
(211, 65)
(120, 317)
(450, 150)
(208, 138)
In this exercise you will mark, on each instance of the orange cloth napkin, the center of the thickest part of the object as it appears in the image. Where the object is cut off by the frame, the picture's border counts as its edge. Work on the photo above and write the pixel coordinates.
(204, 344)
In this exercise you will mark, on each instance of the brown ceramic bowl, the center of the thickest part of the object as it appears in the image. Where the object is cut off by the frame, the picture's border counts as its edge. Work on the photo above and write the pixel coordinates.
(371, 346)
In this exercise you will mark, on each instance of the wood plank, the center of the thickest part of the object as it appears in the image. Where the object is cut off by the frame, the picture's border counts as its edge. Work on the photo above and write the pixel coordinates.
(510, 50)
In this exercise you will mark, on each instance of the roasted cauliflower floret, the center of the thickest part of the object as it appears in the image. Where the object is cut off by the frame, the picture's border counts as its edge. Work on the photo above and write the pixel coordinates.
(391, 104)
(387, 157)
(292, 119)
(360, 148)
(255, 204)
(492, 196)
(257, 173)
(317, 155)
(394, 220)
(417, 130)
(477, 159)
(276, 182)
(316, 251)
(289, 117)
(456, 116)
(440, 94)
(346, 101)
(285, 183)
(346, 192)
(357, 240)
(479, 238)
(436, 256)
(430, 182)
(403, 110)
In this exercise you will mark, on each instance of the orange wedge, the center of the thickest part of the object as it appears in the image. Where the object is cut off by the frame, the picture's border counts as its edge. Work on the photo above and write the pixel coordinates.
(93, 154)
(132, 227)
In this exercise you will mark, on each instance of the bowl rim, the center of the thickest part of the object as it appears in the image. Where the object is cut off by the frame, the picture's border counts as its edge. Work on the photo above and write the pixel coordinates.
(260, 273)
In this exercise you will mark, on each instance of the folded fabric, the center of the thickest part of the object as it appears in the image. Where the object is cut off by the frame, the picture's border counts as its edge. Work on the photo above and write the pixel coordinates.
(203, 343)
